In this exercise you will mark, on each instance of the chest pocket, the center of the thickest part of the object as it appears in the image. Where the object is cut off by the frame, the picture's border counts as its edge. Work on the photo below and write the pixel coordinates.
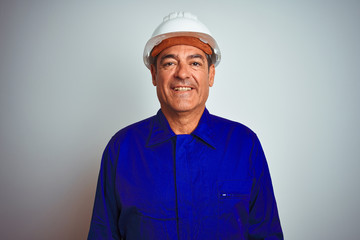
(233, 206)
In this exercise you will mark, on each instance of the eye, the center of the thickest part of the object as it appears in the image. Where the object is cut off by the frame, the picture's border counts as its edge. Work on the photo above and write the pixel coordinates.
(168, 64)
(196, 64)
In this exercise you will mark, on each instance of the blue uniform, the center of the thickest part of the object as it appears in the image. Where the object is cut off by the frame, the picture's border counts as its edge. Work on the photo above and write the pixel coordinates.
(211, 184)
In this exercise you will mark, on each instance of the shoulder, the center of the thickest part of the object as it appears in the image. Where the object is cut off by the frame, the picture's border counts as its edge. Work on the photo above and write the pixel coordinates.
(226, 126)
(123, 141)
(233, 134)
(139, 130)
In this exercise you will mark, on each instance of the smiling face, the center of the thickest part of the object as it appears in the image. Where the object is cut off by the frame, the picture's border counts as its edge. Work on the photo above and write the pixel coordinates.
(182, 79)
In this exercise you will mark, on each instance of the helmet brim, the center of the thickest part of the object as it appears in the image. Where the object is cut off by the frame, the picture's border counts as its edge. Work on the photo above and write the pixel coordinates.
(156, 40)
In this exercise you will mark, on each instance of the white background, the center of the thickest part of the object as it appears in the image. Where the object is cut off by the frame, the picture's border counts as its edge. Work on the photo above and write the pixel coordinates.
(72, 75)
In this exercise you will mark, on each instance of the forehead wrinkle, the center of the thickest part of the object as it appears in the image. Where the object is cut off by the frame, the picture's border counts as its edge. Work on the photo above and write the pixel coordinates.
(176, 56)
(196, 56)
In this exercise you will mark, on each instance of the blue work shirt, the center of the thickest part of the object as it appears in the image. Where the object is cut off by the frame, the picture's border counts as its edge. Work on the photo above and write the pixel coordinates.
(211, 184)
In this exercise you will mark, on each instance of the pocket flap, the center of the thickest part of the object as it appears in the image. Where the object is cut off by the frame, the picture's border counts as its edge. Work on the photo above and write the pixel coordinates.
(234, 188)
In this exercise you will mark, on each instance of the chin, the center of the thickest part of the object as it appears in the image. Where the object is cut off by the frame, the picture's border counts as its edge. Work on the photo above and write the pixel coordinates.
(185, 108)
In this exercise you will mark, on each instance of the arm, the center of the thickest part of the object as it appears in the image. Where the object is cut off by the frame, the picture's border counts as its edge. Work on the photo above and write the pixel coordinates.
(264, 218)
(106, 210)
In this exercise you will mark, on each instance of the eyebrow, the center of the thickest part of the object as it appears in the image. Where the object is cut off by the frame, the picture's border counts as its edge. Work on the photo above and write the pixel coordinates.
(176, 57)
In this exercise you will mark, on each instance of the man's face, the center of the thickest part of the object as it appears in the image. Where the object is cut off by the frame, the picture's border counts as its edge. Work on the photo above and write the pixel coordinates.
(182, 79)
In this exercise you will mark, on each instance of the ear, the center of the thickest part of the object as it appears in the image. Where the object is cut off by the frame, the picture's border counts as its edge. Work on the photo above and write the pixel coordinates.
(153, 74)
(211, 75)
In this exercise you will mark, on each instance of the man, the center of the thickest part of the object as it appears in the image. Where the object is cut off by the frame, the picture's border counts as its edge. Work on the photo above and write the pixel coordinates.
(184, 173)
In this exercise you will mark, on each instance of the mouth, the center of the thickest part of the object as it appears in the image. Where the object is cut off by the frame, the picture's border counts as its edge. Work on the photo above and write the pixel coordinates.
(182, 89)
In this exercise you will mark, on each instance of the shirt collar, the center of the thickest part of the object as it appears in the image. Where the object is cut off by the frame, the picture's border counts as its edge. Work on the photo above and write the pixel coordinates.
(204, 130)
(160, 130)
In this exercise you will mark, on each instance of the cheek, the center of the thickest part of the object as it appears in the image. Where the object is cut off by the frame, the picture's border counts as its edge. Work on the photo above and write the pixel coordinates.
(161, 86)
(163, 78)
(205, 81)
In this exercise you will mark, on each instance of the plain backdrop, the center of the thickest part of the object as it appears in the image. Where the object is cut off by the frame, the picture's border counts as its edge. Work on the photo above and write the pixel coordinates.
(72, 75)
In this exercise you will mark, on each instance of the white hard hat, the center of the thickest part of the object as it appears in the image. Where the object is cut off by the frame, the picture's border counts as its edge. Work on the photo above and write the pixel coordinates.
(181, 24)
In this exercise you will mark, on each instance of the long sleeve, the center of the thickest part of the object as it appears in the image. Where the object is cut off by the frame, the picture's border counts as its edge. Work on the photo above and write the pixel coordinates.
(106, 210)
(211, 184)
(264, 218)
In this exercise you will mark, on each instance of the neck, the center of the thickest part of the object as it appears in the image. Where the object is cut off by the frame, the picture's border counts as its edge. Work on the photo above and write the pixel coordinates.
(183, 122)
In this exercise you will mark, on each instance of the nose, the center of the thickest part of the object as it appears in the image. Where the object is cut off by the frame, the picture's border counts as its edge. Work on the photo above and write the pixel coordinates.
(182, 71)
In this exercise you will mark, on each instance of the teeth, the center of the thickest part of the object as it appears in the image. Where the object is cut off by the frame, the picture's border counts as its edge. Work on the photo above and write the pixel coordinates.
(182, 89)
